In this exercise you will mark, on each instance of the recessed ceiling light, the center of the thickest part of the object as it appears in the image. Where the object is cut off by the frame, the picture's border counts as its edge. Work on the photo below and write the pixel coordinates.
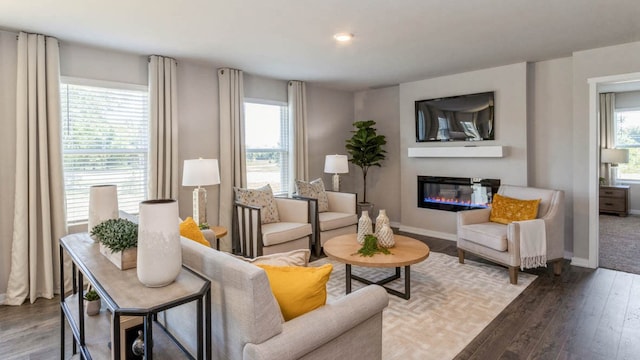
(343, 37)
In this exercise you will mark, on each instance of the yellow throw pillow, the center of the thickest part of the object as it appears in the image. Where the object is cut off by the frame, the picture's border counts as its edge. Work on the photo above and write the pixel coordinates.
(191, 230)
(298, 290)
(505, 210)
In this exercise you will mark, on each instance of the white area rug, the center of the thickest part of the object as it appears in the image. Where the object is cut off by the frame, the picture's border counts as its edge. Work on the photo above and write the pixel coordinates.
(450, 304)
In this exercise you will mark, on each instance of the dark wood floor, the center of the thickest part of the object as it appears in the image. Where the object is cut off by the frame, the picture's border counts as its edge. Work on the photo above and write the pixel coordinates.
(582, 314)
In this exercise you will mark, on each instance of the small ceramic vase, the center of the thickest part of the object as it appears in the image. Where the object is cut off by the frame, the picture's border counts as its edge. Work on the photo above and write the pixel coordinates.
(381, 220)
(365, 227)
(385, 236)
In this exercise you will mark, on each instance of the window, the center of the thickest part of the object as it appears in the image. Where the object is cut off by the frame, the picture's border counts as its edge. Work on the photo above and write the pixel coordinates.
(627, 136)
(267, 145)
(105, 140)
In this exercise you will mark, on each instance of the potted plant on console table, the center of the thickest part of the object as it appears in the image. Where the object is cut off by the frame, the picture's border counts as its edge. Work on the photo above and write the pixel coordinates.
(118, 241)
(365, 149)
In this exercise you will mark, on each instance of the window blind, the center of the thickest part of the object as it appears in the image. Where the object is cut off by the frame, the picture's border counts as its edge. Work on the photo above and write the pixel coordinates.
(267, 145)
(105, 140)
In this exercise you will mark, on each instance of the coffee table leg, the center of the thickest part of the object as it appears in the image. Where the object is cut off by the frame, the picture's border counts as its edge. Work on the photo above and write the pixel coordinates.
(407, 282)
(347, 277)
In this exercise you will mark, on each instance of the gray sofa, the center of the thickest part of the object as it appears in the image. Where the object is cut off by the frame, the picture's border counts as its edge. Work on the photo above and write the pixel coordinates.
(247, 322)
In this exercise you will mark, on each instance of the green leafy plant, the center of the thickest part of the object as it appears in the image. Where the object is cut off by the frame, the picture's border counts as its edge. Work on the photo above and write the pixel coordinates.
(365, 149)
(370, 247)
(117, 234)
(91, 295)
(204, 226)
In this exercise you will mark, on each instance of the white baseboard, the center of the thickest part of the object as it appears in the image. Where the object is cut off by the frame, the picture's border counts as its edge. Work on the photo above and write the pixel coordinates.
(431, 233)
(634, 212)
(582, 262)
(568, 255)
(2, 297)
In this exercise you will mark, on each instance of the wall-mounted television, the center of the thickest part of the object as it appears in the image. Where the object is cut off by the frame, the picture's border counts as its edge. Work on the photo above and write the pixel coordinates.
(456, 118)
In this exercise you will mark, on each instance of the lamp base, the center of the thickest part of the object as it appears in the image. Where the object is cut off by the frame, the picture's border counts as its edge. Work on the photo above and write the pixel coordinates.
(200, 205)
(336, 182)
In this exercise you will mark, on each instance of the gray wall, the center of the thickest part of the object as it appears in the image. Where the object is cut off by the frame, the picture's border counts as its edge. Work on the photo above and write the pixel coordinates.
(329, 118)
(383, 184)
(510, 86)
(549, 132)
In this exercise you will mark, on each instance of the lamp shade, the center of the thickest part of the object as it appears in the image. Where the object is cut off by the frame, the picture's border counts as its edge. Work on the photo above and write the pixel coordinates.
(200, 172)
(614, 156)
(336, 164)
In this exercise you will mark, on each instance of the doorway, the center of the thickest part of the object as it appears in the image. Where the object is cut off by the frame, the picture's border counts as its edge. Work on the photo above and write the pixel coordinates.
(613, 241)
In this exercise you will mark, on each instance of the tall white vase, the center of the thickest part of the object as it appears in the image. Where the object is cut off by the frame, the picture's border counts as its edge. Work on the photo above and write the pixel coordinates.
(365, 227)
(159, 250)
(381, 220)
(103, 205)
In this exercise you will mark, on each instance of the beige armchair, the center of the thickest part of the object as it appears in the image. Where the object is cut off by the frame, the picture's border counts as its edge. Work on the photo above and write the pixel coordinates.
(340, 219)
(253, 238)
(501, 243)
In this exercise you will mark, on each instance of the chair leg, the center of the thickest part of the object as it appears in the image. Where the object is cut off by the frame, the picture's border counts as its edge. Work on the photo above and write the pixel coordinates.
(557, 267)
(461, 256)
(513, 275)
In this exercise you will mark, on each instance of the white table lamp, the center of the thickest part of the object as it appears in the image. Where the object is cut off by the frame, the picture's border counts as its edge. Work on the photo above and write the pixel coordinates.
(336, 164)
(200, 172)
(614, 157)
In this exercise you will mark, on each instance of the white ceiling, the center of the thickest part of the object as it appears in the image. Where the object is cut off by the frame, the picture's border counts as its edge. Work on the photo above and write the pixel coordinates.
(395, 41)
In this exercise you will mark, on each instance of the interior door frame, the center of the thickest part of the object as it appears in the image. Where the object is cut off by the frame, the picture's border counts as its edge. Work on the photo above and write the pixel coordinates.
(596, 86)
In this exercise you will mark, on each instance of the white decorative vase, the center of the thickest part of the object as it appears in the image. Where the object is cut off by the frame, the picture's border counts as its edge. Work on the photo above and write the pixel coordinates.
(381, 220)
(365, 227)
(385, 236)
(92, 307)
(103, 205)
(159, 250)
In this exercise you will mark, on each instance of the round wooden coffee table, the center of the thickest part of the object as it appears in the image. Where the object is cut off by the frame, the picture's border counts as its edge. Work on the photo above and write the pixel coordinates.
(406, 252)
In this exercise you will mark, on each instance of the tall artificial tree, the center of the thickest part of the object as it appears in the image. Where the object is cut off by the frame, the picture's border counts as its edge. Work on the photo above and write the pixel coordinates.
(365, 149)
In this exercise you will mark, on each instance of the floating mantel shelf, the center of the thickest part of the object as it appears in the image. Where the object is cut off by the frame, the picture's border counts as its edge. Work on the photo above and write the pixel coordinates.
(456, 151)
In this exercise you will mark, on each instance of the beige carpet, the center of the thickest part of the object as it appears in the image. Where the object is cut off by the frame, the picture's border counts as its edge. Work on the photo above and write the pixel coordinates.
(620, 243)
(450, 304)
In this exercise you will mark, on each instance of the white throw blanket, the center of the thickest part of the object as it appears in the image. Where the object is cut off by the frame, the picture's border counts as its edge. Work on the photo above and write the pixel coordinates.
(533, 244)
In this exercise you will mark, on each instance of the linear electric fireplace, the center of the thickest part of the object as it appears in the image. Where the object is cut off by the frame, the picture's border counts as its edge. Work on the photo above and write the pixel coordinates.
(455, 194)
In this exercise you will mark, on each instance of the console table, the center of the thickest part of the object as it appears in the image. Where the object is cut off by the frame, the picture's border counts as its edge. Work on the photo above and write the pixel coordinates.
(123, 295)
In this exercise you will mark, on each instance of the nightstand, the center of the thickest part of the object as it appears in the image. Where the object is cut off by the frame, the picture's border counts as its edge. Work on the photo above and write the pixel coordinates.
(614, 199)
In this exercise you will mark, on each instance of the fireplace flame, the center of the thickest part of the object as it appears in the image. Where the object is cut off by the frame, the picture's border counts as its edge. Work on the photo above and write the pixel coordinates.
(454, 201)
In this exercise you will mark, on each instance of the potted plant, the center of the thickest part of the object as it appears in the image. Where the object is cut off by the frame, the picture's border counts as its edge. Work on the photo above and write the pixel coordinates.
(365, 149)
(92, 302)
(118, 241)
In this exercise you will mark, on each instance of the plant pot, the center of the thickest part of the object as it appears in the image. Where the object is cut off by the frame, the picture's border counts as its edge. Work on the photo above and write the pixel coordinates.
(365, 206)
(122, 259)
(92, 307)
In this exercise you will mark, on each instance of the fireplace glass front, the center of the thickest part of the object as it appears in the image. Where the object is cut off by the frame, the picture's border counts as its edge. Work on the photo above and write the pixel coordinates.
(455, 194)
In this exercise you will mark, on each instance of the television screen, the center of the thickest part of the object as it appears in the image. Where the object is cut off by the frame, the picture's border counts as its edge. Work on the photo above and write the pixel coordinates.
(456, 118)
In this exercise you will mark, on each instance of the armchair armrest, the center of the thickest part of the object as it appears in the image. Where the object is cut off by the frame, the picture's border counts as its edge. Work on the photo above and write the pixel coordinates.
(475, 216)
(342, 202)
(292, 210)
(246, 230)
(319, 327)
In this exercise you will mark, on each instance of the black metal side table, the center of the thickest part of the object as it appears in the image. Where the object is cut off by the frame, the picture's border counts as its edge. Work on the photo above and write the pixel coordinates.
(123, 295)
